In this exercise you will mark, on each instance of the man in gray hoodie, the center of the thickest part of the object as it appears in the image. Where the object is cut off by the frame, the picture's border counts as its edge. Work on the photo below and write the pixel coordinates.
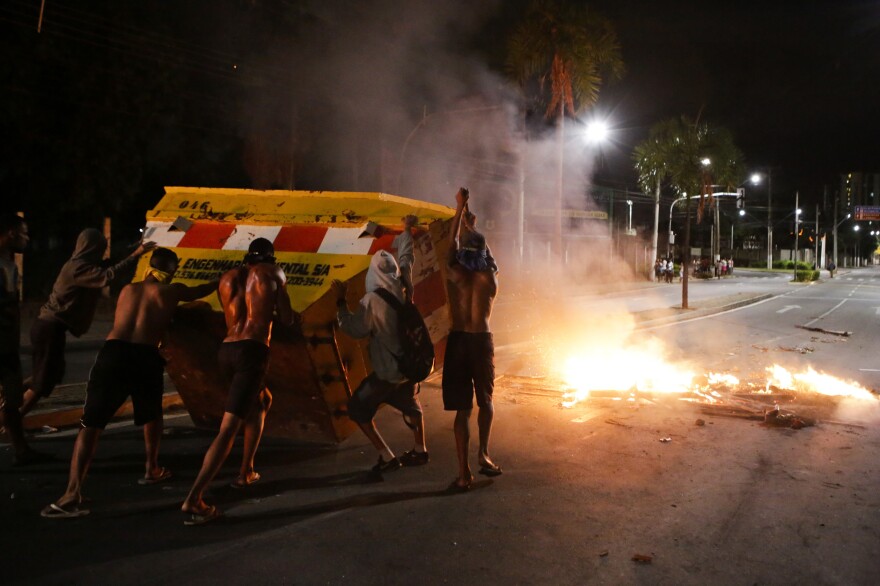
(375, 318)
(70, 308)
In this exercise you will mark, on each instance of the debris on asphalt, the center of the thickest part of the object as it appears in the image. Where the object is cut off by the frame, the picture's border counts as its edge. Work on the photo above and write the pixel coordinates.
(615, 422)
(665, 440)
(603, 553)
(776, 418)
(845, 334)
(640, 558)
(798, 349)
(49, 429)
(700, 422)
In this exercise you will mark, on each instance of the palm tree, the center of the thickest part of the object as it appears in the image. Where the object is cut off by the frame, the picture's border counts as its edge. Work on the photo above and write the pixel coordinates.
(690, 157)
(568, 49)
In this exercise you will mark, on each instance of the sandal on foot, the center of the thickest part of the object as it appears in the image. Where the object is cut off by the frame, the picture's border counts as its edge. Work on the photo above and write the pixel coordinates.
(414, 458)
(389, 466)
(488, 469)
(164, 474)
(69, 511)
(212, 514)
(454, 487)
(247, 481)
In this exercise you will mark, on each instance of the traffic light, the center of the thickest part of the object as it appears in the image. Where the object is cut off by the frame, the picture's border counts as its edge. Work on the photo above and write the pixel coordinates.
(740, 198)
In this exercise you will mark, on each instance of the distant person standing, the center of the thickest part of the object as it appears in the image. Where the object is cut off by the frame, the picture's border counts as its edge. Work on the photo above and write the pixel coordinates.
(70, 308)
(403, 244)
(831, 268)
(13, 239)
(129, 364)
(469, 364)
(253, 297)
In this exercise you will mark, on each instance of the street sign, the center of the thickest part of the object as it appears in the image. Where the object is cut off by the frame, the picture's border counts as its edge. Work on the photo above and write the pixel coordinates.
(866, 213)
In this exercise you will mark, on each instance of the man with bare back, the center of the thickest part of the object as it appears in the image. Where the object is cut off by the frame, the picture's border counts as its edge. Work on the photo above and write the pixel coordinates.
(129, 364)
(253, 296)
(469, 363)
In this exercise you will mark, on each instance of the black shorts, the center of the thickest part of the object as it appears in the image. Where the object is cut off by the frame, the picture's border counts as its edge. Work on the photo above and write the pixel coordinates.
(48, 339)
(373, 391)
(468, 367)
(12, 391)
(122, 369)
(243, 364)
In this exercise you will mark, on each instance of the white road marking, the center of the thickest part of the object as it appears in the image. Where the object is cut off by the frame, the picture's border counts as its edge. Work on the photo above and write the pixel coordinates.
(788, 308)
(809, 323)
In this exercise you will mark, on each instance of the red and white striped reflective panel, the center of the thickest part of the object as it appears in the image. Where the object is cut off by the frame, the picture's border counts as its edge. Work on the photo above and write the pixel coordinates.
(225, 236)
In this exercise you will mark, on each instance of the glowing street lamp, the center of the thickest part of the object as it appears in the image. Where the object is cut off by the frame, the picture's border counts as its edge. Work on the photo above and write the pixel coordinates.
(596, 132)
(756, 180)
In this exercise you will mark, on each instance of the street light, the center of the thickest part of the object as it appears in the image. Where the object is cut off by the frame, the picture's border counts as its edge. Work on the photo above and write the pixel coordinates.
(596, 132)
(756, 180)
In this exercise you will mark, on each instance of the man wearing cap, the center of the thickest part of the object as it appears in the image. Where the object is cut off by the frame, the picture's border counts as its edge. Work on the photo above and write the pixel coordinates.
(253, 296)
(129, 364)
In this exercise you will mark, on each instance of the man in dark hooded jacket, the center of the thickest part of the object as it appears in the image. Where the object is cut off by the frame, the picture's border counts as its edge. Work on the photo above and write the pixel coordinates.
(70, 308)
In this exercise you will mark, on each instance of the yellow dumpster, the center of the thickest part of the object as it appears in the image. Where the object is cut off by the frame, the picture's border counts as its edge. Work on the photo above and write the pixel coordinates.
(318, 236)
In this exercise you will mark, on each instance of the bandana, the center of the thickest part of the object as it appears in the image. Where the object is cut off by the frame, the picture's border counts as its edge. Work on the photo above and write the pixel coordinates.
(472, 259)
(160, 276)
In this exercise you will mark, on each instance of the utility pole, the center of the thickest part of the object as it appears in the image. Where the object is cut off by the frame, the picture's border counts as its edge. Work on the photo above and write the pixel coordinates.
(816, 235)
(834, 260)
(796, 228)
(769, 218)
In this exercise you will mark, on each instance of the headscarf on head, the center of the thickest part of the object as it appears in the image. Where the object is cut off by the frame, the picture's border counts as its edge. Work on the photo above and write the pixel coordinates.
(473, 254)
(385, 274)
(158, 274)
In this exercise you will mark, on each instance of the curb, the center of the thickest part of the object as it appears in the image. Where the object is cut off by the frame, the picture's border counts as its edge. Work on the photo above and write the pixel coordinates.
(68, 417)
(71, 346)
(703, 312)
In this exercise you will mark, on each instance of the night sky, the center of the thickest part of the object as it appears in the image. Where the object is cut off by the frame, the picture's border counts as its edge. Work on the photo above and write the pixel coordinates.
(114, 100)
(797, 82)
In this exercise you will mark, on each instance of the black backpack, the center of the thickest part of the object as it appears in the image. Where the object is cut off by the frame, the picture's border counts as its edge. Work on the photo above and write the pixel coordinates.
(417, 360)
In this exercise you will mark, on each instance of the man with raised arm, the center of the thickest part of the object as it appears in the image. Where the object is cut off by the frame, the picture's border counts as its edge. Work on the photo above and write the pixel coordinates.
(253, 296)
(129, 364)
(469, 363)
(70, 308)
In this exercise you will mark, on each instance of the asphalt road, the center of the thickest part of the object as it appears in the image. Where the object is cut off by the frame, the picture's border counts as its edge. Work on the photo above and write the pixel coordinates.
(584, 489)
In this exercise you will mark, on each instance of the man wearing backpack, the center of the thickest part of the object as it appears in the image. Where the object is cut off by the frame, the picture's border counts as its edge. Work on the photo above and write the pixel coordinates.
(377, 318)
(469, 363)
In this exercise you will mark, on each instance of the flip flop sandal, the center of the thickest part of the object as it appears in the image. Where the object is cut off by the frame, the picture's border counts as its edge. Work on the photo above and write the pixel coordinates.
(237, 483)
(455, 488)
(54, 511)
(164, 474)
(493, 470)
(212, 514)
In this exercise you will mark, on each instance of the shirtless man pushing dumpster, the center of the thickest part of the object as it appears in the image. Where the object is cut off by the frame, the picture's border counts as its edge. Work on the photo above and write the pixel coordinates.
(253, 295)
